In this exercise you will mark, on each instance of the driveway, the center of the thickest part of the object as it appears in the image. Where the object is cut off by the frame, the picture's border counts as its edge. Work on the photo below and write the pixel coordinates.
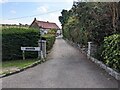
(66, 68)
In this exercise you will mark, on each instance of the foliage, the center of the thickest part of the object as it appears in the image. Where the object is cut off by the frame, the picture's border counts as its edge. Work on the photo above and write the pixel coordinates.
(89, 22)
(14, 38)
(63, 19)
(65, 15)
(50, 39)
(111, 51)
(52, 31)
(98, 52)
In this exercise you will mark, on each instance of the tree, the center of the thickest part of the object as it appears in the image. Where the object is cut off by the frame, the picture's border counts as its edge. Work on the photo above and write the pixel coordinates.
(64, 18)
(92, 21)
(115, 14)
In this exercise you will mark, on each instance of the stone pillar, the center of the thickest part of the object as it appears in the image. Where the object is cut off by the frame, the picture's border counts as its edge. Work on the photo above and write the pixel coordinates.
(44, 48)
(39, 52)
(42, 45)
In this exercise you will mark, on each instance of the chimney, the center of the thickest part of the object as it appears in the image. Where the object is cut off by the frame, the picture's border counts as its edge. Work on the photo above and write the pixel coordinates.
(34, 19)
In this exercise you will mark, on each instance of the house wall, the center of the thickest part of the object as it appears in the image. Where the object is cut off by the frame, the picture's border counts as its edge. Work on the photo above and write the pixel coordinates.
(44, 31)
(59, 32)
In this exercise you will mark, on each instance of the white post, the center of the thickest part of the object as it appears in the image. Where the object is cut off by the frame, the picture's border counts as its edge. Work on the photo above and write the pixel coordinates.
(89, 47)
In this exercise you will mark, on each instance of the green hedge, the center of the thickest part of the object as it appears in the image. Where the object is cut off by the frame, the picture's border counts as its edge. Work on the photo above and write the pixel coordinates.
(50, 38)
(14, 38)
(111, 53)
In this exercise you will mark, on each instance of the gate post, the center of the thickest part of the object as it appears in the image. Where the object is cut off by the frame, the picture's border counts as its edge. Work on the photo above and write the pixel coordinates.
(44, 48)
(42, 52)
(39, 55)
(89, 48)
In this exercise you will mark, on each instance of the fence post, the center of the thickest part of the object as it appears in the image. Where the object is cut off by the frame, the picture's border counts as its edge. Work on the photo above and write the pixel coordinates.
(89, 48)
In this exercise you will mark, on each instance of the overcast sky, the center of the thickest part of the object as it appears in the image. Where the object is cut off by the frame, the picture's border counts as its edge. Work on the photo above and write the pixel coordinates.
(25, 12)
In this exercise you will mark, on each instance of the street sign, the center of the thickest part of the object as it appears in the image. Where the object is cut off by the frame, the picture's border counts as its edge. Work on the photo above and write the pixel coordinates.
(41, 49)
(30, 48)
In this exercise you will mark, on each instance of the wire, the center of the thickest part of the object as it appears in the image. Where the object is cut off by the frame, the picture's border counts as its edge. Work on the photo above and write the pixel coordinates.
(33, 15)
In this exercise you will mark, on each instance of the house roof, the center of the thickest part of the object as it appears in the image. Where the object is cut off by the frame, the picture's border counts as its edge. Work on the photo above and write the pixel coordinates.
(46, 25)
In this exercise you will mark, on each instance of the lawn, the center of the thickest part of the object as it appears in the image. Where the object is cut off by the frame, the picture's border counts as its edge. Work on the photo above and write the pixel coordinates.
(13, 65)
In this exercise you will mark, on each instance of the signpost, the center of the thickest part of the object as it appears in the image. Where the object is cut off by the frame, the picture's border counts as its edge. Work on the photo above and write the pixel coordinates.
(29, 49)
(41, 49)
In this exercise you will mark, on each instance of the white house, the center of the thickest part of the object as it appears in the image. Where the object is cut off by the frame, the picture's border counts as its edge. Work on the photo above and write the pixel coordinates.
(44, 26)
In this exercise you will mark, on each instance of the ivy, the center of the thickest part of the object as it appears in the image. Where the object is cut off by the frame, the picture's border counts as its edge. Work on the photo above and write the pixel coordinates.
(111, 52)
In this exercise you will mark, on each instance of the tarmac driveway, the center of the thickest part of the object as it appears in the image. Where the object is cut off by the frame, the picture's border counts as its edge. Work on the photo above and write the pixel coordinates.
(66, 68)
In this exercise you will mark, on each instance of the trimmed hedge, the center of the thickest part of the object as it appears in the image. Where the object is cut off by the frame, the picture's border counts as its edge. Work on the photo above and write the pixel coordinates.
(14, 38)
(111, 53)
(50, 39)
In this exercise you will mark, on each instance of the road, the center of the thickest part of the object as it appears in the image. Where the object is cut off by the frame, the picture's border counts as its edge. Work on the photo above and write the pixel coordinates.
(66, 68)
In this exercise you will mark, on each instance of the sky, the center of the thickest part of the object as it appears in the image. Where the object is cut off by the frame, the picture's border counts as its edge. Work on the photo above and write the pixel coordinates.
(25, 12)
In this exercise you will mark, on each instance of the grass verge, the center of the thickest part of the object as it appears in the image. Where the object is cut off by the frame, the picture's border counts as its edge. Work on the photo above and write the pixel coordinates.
(15, 65)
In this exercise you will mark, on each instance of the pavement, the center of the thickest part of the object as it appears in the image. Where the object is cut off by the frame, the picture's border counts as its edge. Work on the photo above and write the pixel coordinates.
(66, 67)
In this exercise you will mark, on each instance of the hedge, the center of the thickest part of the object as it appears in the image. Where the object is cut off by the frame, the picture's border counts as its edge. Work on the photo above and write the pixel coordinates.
(14, 38)
(50, 39)
(111, 53)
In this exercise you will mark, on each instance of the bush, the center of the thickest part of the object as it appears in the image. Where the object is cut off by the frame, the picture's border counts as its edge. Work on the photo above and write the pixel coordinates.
(111, 53)
(52, 31)
(90, 21)
(98, 52)
(50, 40)
(14, 38)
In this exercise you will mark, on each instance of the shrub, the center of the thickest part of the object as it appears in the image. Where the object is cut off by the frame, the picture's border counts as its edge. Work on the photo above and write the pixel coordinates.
(14, 38)
(50, 38)
(52, 31)
(111, 53)
(98, 52)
